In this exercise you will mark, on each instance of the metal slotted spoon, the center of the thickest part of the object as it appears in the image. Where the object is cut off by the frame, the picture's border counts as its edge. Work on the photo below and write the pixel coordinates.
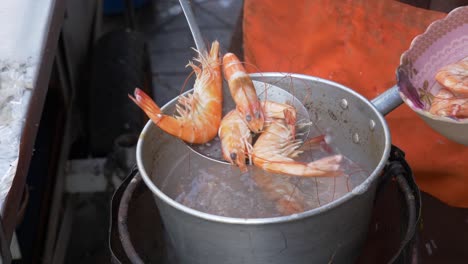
(212, 149)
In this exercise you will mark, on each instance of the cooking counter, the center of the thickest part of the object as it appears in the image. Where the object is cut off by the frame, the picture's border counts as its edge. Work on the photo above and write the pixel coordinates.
(29, 32)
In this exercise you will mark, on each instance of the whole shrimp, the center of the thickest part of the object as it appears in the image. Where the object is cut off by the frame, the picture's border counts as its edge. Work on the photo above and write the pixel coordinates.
(243, 92)
(446, 104)
(276, 148)
(274, 110)
(236, 146)
(199, 114)
(235, 136)
(287, 197)
(454, 77)
(236, 139)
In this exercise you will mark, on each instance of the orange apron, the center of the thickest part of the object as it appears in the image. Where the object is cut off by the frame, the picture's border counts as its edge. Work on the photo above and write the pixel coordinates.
(358, 43)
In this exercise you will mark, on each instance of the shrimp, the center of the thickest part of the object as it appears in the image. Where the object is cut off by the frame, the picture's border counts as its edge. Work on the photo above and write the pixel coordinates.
(243, 92)
(236, 139)
(446, 104)
(199, 114)
(287, 197)
(274, 110)
(454, 77)
(276, 147)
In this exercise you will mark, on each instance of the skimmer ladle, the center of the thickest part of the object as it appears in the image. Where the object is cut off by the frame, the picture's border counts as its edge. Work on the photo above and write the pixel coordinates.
(212, 149)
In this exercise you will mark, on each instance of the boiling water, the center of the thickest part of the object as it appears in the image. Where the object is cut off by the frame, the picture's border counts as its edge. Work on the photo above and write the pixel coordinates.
(221, 189)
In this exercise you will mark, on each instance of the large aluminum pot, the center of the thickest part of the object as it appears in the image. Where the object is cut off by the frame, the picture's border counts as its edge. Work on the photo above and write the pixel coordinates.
(332, 233)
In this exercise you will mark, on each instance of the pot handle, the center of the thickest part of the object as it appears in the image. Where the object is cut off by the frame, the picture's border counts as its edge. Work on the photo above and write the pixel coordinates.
(399, 170)
(388, 100)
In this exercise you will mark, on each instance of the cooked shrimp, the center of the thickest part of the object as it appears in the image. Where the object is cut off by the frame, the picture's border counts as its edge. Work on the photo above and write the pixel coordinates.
(274, 110)
(243, 92)
(236, 139)
(199, 114)
(446, 104)
(454, 77)
(278, 110)
(287, 197)
(275, 149)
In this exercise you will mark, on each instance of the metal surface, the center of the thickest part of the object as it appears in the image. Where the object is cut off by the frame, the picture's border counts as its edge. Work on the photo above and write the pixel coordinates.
(135, 231)
(384, 235)
(388, 100)
(265, 91)
(132, 244)
(316, 236)
(122, 220)
(197, 36)
(212, 150)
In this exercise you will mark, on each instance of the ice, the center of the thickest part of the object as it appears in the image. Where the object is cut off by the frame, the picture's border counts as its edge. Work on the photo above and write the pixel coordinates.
(16, 81)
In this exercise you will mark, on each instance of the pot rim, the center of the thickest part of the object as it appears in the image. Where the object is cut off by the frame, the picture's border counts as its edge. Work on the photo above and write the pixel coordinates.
(355, 192)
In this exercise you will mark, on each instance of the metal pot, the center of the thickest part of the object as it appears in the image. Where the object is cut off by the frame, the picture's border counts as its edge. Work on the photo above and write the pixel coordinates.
(334, 232)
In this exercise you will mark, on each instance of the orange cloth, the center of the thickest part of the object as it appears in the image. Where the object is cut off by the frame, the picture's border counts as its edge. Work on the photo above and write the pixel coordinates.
(358, 43)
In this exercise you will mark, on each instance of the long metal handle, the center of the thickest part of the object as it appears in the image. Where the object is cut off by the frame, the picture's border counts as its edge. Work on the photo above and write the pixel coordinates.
(388, 100)
(197, 37)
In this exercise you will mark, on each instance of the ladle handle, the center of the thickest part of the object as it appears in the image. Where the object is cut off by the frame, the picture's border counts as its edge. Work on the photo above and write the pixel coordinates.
(388, 100)
(197, 37)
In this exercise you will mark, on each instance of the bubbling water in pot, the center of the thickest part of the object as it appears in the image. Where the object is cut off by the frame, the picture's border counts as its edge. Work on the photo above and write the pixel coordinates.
(220, 189)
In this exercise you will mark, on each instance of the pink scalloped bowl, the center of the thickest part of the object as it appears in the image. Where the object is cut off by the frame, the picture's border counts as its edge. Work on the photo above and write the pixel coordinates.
(444, 42)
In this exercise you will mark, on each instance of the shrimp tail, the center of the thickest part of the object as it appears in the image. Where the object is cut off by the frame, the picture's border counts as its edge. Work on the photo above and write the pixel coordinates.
(324, 167)
(328, 166)
(147, 105)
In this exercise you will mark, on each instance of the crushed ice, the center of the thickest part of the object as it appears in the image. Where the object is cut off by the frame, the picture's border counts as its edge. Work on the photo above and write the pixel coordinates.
(16, 82)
